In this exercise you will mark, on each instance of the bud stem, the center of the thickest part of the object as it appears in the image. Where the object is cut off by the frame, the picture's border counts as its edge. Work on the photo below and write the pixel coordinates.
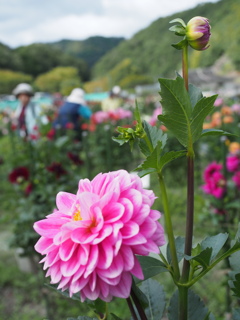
(185, 65)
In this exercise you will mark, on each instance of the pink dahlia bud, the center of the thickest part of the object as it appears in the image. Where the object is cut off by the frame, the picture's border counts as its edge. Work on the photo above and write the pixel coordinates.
(198, 33)
(91, 241)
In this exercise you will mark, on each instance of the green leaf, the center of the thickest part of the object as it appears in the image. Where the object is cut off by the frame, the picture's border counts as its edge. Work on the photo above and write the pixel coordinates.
(150, 267)
(154, 135)
(203, 258)
(179, 30)
(236, 285)
(156, 299)
(179, 243)
(215, 242)
(180, 45)
(180, 21)
(236, 314)
(195, 94)
(216, 132)
(145, 172)
(196, 307)
(140, 295)
(98, 306)
(61, 141)
(170, 156)
(153, 160)
(177, 109)
(200, 111)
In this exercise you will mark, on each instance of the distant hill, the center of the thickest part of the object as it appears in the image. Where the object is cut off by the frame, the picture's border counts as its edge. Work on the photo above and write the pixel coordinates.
(89, 50)
(150, 49)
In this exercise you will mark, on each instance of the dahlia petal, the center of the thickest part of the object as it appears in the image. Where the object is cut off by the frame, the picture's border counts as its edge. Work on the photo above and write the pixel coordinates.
(112, 212)
(137, 239)
(135, 197)
(67, 249)
(44, 245)
(123, 289)
(92, 261)
(148, 228)
(77, 285)
(128, 257)
(92, 281)
(128, 209)
(104, 287)
(105, 255)
(137, 270)
(103, 234)
(51, 258)
(56, 273)
(64, 281)
(155, 215)
(114, 270)
(142, 214)
(91, 295)
(129, 229)
(48, 227)
(64, 201)
(151, 246)
(77, 275)
(83, 235)
(110, 281)
(84, 185)
(68, 268)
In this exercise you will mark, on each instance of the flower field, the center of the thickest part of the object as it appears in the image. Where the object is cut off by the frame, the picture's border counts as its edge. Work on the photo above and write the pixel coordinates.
(51, 162)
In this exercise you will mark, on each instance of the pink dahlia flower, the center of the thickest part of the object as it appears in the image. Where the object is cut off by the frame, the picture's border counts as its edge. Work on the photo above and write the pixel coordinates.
(90, 243)
(211, 169)
(233, 163)
(215, 185)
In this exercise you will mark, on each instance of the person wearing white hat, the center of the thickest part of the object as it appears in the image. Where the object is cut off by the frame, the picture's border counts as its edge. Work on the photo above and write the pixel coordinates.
(27, 114)
(72, 111)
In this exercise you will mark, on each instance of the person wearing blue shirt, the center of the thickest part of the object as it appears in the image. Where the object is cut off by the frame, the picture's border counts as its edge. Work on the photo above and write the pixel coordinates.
(73, 111)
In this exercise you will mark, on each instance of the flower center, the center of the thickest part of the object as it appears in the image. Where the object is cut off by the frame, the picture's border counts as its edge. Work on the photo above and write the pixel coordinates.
(77, 213)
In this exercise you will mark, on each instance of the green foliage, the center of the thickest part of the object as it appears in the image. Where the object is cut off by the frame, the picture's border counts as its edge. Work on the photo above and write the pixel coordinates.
(150, 267)
(39, 58)
(90, 50)
(178, 116)
(196, 307)
(9, 79)
(60, 79)
(156, 299)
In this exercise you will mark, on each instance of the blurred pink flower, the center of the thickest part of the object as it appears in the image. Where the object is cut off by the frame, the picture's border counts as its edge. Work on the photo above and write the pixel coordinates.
(100, 117)
(233, 163)
(120, 114)
(236, 179)
(211, 169)
(154, 118)
(218, 102)
(236, 108)
(215, 185)
(90, 243)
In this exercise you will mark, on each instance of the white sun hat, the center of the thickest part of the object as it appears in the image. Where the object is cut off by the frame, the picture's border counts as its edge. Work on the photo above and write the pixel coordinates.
(23, 88)
(77, 96)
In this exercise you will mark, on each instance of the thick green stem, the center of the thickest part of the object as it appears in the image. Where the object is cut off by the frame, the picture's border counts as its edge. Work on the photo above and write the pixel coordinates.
(183, 303)
(169, 228)
(185, 65)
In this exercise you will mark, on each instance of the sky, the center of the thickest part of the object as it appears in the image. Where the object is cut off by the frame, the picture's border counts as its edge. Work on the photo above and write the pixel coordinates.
(23, 22)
